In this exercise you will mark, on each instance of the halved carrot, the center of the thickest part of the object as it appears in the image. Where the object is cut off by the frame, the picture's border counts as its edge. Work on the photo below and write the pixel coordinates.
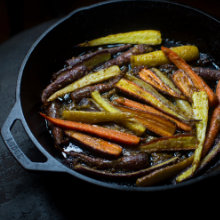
(213, 131)
(161, 103)
(153, 122)
(110, 134)
(172, 143)
(141, 107)
(151, 78)
(96, 144)
(184, 83)
(218, 91)
(200, 111)
(164, 173)
(198, 82)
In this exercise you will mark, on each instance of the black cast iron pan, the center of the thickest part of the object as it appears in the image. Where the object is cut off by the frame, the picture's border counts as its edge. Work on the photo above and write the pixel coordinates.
(49, 52)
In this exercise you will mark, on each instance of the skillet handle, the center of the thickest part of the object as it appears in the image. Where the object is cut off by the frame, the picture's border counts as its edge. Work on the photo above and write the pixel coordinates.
(50, 165)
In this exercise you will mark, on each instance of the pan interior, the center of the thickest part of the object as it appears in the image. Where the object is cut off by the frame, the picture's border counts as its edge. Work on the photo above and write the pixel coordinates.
(174, 21)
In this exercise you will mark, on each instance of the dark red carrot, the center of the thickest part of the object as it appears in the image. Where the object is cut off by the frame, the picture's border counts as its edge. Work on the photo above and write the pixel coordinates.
(198, 82)
(110, 134)
(213, 131)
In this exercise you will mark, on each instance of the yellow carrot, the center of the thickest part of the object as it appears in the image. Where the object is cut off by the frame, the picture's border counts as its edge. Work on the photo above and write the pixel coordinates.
(200, 112)
(151, 37)
(92, 78)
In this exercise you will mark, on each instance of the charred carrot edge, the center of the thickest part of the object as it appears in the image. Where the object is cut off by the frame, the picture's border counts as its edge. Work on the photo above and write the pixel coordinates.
(172, 143)
(141, 92)
(198, 82)
(96, 144)
(164, 173)
(214, 151)
(107, 133)
(184, 83)
(214, 129)
(153, 122)
(142, 107)
(151, 78)
(218, 92)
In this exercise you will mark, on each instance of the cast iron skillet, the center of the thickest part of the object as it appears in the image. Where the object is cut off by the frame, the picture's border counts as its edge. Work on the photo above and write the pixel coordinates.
(48, 53)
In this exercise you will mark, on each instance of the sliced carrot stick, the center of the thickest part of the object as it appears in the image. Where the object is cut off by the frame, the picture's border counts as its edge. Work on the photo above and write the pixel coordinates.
(151, 78)
(141, 107)
(96, 144)
(146, 95)
(198, 82)
(218, 91)
(107, 133)
(153, 122)
(213, 131)
(184, 83)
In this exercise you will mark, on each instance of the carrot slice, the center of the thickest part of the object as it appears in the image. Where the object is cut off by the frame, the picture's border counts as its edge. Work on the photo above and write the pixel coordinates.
(200, 112)
(110, 134)
(172, 143)
(153, 122)
(151, 78)
(198, 82)
(141, 107)
(164, 173)
(214, 129)
(96, 144)
(184, 83)
(132, 89)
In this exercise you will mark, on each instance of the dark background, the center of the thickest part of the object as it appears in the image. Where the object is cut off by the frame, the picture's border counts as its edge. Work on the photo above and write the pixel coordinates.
(31, 195)
(16, 16)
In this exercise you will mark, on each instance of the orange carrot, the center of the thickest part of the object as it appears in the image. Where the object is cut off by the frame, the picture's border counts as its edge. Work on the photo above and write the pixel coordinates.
(218, 92)
(151, 78)
(107, 133)
(184, 83)
(198, 82)
(213, 131)
(153, 122)
(141, 107)
(96, 144)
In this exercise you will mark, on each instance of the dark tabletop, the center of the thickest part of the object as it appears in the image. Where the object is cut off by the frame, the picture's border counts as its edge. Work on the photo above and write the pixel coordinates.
(41, 195)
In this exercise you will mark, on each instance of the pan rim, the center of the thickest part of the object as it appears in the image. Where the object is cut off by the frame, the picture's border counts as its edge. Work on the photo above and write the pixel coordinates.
(83, 177)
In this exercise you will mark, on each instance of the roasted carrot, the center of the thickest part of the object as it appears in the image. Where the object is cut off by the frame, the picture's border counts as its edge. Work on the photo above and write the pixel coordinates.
(110, 134)
(157, 58)
(200, 111)
(198, 82)
(185, 107)
(134, 126)
(152, 78)
(96, 144)
(172, 143)
(213, 131)
(153, 122)
(142, 107)
(218, 92)
(150, 37)
(164, 173)
(158, 101)
(184, 83)
(214, 151)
